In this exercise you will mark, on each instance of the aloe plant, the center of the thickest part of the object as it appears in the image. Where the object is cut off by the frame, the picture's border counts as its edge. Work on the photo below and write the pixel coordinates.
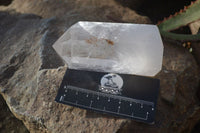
(184, 17)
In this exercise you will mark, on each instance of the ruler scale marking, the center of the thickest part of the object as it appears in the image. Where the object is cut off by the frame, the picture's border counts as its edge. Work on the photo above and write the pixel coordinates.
(83, 94)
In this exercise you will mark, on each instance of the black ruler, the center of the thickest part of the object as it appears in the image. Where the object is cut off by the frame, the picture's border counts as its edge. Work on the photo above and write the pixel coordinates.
(128, 96)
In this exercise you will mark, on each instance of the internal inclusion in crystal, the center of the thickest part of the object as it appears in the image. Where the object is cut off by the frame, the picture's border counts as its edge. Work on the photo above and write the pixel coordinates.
(112, 47)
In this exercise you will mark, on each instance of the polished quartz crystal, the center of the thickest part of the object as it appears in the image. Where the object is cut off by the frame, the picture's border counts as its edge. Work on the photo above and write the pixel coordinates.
(112, 47)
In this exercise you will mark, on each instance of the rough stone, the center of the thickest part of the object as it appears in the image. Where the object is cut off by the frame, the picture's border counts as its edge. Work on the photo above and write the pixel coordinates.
(30, 77)
(8, 121)
(168, 94)
(195, 28)
(94, 10)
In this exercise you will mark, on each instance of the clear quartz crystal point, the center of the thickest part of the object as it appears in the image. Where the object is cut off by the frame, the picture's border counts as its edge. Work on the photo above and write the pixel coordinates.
(112, 47)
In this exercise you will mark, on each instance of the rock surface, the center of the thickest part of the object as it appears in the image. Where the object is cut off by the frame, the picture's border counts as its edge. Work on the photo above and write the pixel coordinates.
(92, 10)
(31, 72)
(8, 122)
(195, 28)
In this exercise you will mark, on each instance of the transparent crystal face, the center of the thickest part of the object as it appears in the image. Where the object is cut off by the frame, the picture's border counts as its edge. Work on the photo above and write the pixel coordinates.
(112, 47)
